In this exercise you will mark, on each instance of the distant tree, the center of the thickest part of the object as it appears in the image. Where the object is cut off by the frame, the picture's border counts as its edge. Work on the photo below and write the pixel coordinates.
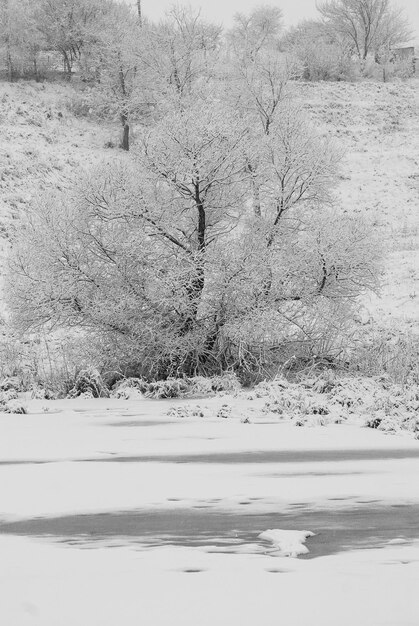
(320, 53)
(258, 79)
(251, 34)
(110, 64)
(177, 56)
(69, 25)
(140, 12)
(366, 24)
(20, 37)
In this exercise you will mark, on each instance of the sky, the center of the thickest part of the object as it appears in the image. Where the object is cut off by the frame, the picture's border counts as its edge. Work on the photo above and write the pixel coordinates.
(221, 11)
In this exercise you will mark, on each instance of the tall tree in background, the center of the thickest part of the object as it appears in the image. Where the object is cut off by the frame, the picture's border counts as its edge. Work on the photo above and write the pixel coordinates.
(367, 25)
(114, 71)
(258, 80)
(255, 32)
(176, 57)
(6, 35)
(69, 25)
(20, 37)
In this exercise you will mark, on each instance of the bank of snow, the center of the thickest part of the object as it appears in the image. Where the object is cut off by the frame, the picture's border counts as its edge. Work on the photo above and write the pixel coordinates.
(45, 585)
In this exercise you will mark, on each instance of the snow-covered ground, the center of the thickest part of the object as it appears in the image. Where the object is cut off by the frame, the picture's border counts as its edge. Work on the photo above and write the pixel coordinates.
(377, 127)
(102, 503)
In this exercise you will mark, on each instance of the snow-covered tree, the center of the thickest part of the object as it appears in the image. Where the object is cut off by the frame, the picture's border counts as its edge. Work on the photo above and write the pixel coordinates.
(20, 37)
(367, 25)
(256, 32)
(109, 63)
(162, 255)
(176, 57)
(69, 25)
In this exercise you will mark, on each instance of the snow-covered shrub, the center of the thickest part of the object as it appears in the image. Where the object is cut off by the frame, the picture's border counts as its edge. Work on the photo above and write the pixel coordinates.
(225, 411)
(353, 393)
(311, 420)
(200, 386)
(393, 408)
(13, 406)
(373, 421)
(41, 393)
(387, 351)
(295, 400)
(127, 393)
(390, 424)
(9, 383)
(186, 411)
(132, 383)
(129, 389)
(228, 383)
(176, 387)
(170, 388)
(89, 383)
(267, 388)
(78, 104)
(5, 396)
(179, 411)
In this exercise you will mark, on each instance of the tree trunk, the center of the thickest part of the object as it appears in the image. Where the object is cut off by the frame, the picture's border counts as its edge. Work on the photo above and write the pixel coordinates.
(67, 65)
(35, 69)
(255, 191)
(124, 114)
(196, 286)
(140, 13)
(125, 132)
(9, 66)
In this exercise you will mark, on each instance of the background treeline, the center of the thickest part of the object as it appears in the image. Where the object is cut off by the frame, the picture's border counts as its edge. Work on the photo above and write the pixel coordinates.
(350, 38)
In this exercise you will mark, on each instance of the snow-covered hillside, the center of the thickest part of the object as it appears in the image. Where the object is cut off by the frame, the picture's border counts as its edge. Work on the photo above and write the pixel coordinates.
(377, 125)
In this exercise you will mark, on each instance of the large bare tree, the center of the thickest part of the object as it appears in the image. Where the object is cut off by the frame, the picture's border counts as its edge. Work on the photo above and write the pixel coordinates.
(367, 25)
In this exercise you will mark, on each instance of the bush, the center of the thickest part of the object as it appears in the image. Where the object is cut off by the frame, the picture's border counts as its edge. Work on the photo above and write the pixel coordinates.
(13, 406)
(5, 396)
(227, 383)
(170, 388)
(129, 389)
(185, 411)
(89, 383)
(386, 351)
(224, 383)
(78, 104)
(224, 412)
(12, 383)
(38, 392)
